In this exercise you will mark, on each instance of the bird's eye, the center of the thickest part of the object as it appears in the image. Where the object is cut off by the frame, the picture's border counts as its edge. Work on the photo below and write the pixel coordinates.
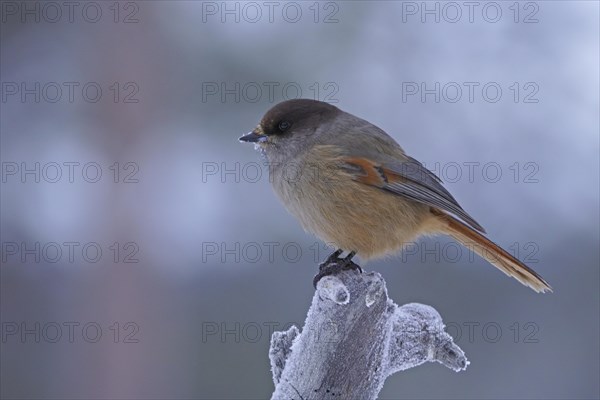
(284, 126)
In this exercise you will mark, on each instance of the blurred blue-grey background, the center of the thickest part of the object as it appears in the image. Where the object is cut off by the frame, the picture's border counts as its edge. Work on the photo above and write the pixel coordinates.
(144, 254)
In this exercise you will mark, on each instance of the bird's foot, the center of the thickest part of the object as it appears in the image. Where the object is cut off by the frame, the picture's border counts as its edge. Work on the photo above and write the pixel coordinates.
(333, 258)
(334, 264)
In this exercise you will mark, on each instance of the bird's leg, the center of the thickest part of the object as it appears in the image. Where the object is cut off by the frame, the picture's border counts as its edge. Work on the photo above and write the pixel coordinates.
(333, 258)
(333, 264)
(349, 264)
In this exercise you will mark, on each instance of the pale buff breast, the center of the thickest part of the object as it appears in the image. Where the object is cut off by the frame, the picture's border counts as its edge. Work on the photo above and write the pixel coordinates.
(347, 214)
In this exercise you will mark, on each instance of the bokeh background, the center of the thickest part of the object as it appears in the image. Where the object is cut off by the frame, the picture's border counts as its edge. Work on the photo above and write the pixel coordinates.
(199, 262)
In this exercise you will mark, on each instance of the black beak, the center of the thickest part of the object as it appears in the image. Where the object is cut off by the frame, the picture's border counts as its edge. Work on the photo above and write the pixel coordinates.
(253, 137)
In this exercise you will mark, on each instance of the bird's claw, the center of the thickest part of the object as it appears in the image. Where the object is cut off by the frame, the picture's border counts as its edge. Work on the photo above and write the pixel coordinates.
(334, 264)
(333, 258)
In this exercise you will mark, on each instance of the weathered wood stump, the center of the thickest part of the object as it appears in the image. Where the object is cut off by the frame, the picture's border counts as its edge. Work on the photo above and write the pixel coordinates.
(353, 338)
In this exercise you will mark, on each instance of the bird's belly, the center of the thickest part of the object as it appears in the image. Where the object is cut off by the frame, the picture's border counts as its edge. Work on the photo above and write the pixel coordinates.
(353, 216)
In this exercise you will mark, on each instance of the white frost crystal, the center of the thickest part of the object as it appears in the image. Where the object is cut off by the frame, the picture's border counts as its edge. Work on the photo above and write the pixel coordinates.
(332, 288)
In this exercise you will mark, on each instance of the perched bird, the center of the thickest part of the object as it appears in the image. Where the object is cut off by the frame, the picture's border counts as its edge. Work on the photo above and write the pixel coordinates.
(353, 186)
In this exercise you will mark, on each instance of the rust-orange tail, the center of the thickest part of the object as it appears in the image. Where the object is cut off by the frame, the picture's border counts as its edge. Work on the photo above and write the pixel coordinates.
(493, 253)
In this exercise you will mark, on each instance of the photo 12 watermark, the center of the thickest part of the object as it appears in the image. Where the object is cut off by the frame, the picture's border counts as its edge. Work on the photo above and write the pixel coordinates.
(28, 332)
(69, 171)
(255, 332)
(69, 252)
(35, 92)
(252, 12)
(54, 12)
(453, 12)
(470, 92)
(270, 92)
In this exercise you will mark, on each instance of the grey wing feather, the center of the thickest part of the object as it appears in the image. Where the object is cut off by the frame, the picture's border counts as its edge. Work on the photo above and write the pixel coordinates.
(421, 185)
(425, 187)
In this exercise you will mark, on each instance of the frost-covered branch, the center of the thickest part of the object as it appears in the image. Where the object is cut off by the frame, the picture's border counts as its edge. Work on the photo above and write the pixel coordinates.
(354, 337)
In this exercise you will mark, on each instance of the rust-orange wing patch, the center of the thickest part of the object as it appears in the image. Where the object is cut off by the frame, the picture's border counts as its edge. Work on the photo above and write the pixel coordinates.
(409, 179)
